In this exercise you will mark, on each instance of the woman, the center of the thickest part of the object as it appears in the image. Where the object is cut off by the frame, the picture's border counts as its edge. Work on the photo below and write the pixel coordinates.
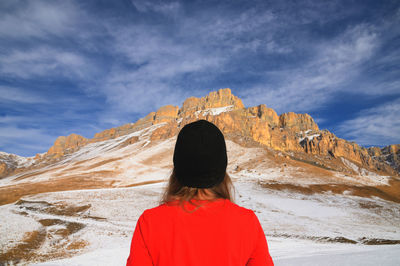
(197, 222)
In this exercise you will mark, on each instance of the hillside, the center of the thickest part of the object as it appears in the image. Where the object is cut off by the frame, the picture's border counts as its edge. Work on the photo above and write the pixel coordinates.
(313, 192)
(294, 135)
(289, 148)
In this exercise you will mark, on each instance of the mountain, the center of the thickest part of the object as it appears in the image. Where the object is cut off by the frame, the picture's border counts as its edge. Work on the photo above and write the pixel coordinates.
(129, 154)
(313, 192)
(295, 134)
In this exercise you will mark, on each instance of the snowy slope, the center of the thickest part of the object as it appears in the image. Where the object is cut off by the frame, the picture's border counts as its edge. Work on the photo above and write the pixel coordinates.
(301, 228)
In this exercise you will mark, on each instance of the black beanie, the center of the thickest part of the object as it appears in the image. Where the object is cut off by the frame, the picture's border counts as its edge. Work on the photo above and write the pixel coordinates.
(200, 157)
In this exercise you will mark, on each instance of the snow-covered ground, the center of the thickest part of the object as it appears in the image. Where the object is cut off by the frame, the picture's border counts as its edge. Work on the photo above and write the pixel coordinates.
(300, 229)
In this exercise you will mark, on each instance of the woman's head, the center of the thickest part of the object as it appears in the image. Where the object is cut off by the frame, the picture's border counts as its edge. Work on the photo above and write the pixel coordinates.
(200, 162)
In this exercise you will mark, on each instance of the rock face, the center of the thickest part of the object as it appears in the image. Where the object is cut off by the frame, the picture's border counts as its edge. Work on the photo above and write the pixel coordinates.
(11, 162)
(64, 145)
(215, 99)
(265, 114)
(291, 133)
(165, 114)
(389, 155)
(297, 122)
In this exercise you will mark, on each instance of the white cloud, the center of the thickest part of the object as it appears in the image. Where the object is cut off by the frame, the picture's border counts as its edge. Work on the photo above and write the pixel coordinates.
(25, 141)
(161, 62)
(12, 94)
(375, 126)
(308, 87)
(45, 61)
(164, 7)
(37, 19)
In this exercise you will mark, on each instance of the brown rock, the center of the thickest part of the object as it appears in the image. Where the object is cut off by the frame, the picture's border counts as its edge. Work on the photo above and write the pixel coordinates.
(264, 113)
(297, 122)
(3, 169)
(63, 144)
(259, 125)
(215, 99)
(130, 141)
(166, 113)
(389, 155)
(165, 132)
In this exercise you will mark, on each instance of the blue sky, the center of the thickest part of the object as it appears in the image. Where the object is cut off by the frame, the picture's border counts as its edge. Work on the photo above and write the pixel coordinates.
(85, 66)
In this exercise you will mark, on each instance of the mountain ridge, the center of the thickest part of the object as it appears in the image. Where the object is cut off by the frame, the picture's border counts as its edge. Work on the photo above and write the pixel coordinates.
(292, 133)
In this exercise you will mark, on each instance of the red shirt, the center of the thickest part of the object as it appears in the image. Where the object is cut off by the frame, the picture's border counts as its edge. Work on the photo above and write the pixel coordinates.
(219, 233)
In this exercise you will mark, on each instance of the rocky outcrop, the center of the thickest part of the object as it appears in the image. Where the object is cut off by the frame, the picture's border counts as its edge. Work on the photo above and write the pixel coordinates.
(10, 162)
(64, 145)
(166, 114)
(297, 122)
(264, 114)
(215, 99)
(113, 133)
(326, 143)
(289, 132)
(389, 155)
(4, 170)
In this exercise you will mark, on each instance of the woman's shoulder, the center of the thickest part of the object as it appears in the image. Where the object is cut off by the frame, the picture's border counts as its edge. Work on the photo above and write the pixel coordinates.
(240, 209)
(170, 207)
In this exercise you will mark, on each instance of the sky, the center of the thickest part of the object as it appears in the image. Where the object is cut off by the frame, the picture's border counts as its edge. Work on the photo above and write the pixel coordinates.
(85, 66)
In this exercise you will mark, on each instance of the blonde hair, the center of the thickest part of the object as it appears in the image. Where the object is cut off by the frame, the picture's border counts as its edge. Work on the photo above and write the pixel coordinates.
(176, 191)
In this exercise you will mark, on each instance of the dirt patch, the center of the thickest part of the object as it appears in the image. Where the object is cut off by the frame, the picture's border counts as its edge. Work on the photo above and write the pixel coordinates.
(95, 218)
(390, 193)
(102, 163)
(29, 248)
(50, 222)
(9, 194)
(73, 227)
(145, 183)
(369, 205)
(58, 208)
(25, 250)
(313, 163)
(70, 227)
(339, 239)
(158, 157)
(77, 245)
(379, 241)
(30, 175)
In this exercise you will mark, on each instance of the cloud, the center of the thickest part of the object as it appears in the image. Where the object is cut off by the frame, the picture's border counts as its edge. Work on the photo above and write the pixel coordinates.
(309, 86)
(151, 68)
(163, 7)
(25, 141)
(45, 61)
(11, 94)
(374, 126)
(113, 63)
(27, 19)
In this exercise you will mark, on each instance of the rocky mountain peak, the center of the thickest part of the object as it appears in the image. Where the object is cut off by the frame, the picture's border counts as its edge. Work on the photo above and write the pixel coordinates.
(289, 133)
(215, 99)
(64, 144)
(388, 155)
(264, 113)
(297, 122)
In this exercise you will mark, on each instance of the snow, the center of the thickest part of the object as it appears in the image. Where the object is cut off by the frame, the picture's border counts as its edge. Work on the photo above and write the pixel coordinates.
(13, 160)
(295, 224)
(305, 254)
(10, 225)
(309, 137)
(349, 164)
(371, 176)
(124, 162)
(215, 111)
(292, 222)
